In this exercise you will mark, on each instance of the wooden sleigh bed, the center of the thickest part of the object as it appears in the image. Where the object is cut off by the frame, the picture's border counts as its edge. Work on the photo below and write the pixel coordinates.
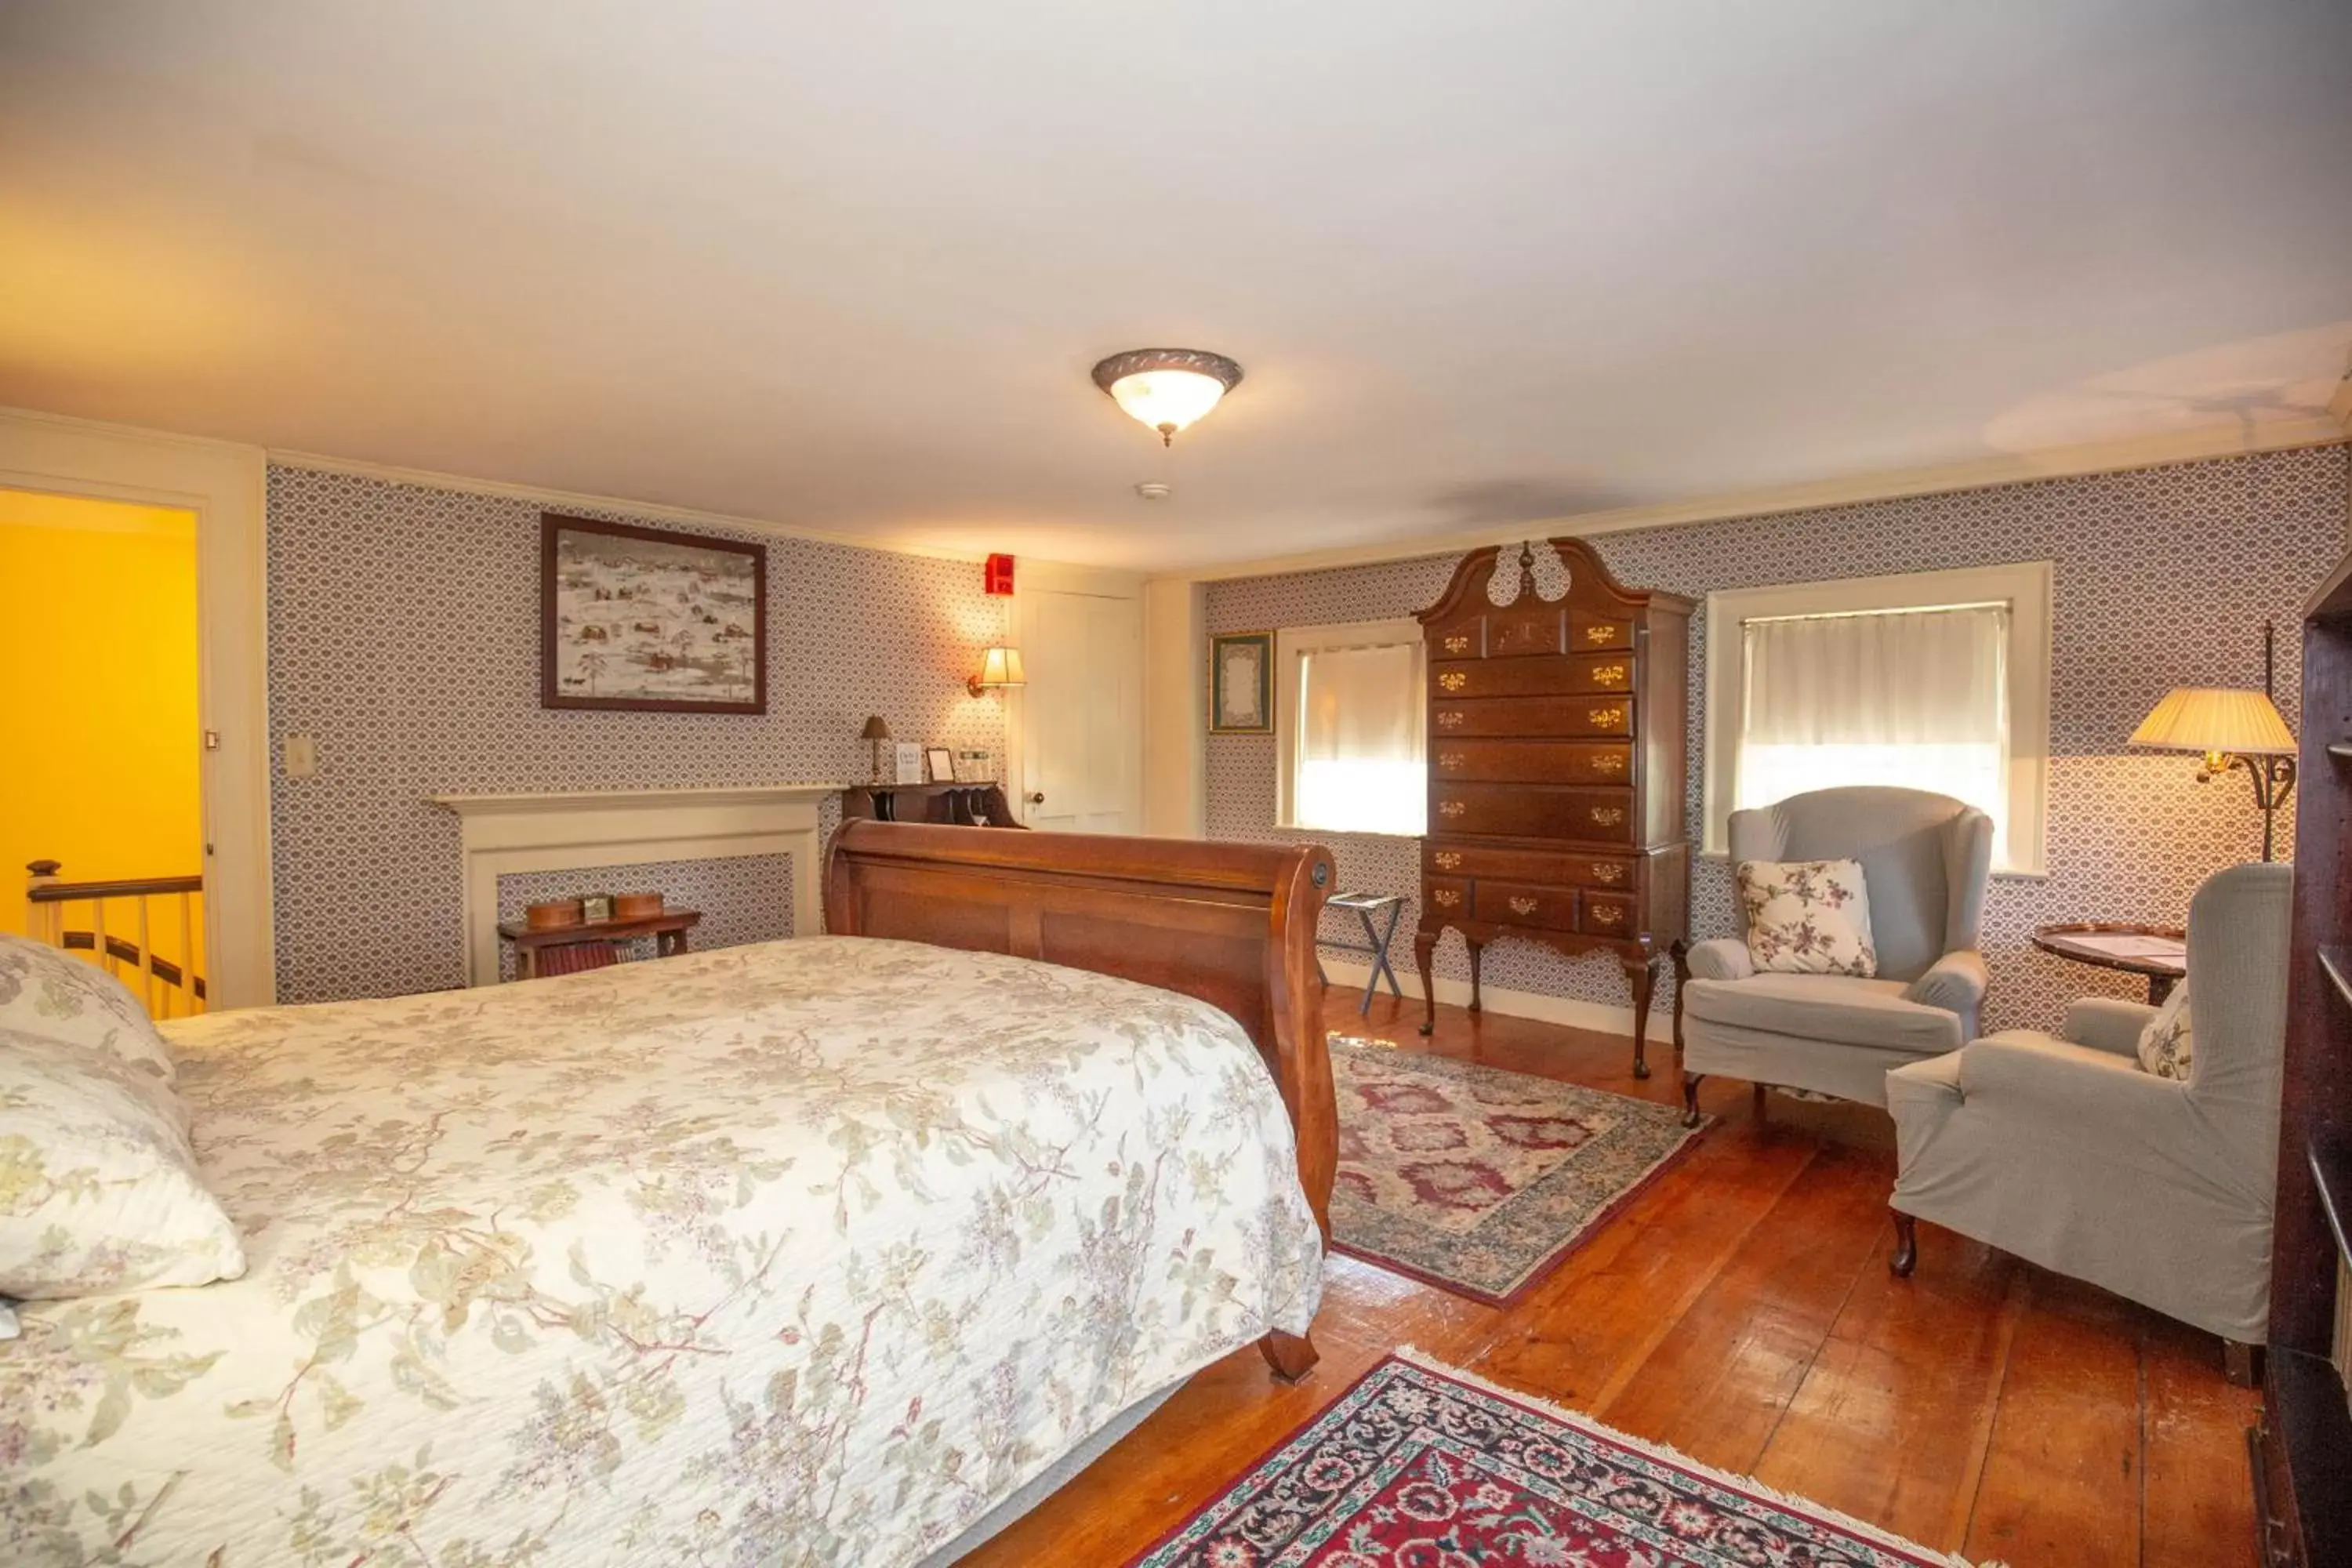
(1231, 924)
(844, 1249)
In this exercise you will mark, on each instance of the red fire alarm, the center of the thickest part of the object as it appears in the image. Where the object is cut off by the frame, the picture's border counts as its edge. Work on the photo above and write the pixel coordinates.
(1000, 574)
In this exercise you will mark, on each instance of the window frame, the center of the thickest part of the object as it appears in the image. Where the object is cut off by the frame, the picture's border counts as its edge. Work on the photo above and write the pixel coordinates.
(2024, 586)
(1289, 644)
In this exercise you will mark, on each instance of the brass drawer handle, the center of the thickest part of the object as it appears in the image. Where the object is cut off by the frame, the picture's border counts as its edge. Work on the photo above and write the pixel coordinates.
(1599, 634)
(1451, 808)
(1449, 719)
(1449, 759)
(1607, 816)
(1607, 717)
(1457, 644)
(1454, 681)
(1609, 675)
(1523, 905)
(1604, 872)
(1608, 762)
(1607, 915)
(1447, 860)
(1447, 897)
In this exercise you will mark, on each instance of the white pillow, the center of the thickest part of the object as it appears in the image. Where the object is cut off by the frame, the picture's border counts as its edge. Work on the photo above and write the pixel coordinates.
(1808, 917)
(46, 991)
(99, 1189)
(2167, 1048)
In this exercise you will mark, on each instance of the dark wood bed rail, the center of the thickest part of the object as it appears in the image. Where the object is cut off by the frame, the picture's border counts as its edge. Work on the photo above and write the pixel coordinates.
(1233, 924)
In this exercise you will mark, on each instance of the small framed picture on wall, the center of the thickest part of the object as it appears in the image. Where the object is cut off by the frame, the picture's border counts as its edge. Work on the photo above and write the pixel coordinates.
(1241, 683)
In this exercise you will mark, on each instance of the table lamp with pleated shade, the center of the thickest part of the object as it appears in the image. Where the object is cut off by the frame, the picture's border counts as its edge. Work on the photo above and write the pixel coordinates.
(876, 736)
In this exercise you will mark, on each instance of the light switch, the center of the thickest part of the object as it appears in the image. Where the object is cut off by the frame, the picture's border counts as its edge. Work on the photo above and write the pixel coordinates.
(301, 756)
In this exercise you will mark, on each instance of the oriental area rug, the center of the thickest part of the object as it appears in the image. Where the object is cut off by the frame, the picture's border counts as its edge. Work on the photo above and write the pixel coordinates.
(1477, 1180)
(1420, 1463)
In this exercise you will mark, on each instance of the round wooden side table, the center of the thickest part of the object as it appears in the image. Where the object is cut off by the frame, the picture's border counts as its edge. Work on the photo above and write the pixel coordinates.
(2162, 973)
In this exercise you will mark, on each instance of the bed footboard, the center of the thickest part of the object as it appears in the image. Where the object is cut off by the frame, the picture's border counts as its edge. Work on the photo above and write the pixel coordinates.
(1233, 924)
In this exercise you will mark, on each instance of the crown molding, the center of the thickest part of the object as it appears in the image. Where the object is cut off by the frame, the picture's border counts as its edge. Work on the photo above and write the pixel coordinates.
(537, 494)
(139, 433)
(1975, 473)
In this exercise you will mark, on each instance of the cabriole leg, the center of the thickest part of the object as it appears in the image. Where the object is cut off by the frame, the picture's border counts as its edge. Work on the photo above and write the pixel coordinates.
(1907, 1246)
(1642, 974)
(1691, 1081)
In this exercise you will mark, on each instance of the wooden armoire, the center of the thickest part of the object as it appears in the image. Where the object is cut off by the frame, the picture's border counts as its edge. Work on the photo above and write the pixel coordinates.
(2303, 1451)
(1557, 763)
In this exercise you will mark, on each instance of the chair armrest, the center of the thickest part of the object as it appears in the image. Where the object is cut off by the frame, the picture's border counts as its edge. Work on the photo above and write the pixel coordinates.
(2108, 1024)
(1956, 982)
(1720, 958)
(2019, 1067)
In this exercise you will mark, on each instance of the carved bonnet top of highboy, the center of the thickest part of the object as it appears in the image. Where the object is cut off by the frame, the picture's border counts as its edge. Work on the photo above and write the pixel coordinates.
(1556, 766)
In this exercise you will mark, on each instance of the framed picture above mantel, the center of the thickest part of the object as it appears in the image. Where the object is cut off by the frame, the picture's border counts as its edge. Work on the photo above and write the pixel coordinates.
(649, 620)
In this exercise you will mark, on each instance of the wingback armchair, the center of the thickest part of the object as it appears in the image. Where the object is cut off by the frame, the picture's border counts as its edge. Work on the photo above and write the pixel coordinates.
(2065, 1153)
(1925, 859)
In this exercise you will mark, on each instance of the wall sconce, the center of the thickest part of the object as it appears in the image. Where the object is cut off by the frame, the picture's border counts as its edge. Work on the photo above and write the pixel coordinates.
(998, 667)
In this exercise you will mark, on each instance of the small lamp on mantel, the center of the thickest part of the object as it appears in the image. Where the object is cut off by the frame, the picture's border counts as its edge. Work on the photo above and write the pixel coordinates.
(876, 736)
(2234, 728)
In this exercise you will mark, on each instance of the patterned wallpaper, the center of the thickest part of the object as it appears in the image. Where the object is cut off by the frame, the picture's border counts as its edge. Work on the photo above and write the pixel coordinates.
(2163, 578)
(404, 636)
(741, 898)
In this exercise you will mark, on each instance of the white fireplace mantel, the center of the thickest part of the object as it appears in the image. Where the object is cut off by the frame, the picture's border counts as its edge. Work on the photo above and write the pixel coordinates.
(505, 835)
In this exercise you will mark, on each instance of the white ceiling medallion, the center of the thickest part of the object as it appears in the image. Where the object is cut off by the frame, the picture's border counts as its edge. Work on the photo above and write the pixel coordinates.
(1167, 389)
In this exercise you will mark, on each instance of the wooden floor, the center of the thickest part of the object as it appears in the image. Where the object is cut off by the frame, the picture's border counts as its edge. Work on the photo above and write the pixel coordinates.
(1741, 1310)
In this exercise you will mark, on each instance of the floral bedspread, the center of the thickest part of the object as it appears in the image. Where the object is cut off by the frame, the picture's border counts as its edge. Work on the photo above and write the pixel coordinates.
(804, 1252)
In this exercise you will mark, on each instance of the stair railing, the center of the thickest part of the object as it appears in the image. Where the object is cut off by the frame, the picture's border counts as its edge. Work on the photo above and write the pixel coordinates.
(124, 936)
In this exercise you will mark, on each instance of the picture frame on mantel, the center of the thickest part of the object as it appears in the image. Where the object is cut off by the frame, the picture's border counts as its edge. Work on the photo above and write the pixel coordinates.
(1241, 683)
(649, 620)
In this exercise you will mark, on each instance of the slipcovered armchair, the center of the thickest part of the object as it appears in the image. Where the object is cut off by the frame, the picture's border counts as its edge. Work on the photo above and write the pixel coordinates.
(1924, 861)
(2067, 1153)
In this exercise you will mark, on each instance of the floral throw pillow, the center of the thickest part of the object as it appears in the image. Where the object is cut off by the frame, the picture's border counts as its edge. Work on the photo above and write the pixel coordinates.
(46, 991)
(1808, 917)
(99, 1190)
(2166, 1045)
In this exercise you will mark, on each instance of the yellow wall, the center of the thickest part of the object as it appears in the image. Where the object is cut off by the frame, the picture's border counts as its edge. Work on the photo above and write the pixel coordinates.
(98, 693)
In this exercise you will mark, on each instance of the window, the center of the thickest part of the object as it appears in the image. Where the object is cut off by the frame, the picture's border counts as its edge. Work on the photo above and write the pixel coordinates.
(1937, 680)
(1350, 720)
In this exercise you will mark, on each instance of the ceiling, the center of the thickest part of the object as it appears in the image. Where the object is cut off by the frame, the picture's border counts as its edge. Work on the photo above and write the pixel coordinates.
(844, 267)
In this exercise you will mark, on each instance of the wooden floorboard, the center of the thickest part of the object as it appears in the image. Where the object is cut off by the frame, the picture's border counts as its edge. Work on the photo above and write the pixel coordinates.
(1739, 1309)
(2062, 1474)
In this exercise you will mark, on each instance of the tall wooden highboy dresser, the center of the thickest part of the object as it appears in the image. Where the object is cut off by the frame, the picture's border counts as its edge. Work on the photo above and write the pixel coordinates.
(1556, 769)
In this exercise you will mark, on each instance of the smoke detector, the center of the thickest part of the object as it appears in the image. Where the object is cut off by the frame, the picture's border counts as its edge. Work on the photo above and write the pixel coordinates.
(1152, 489)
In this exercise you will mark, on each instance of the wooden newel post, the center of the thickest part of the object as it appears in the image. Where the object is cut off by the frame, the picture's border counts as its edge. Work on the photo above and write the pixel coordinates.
(41, 918)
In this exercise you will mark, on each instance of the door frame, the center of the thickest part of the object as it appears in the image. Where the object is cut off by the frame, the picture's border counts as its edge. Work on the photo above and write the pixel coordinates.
(226, 485)
(1057, 578)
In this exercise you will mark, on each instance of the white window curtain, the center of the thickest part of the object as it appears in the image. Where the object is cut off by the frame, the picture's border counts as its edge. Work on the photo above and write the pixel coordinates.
(1914, 698)
(1359, 760)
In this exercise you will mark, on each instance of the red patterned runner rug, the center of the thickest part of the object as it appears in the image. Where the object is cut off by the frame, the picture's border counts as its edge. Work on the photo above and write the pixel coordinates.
(1477, 1180)
(1422, 1465)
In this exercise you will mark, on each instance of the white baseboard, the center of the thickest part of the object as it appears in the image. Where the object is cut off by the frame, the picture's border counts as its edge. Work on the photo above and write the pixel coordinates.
(1536, 1005)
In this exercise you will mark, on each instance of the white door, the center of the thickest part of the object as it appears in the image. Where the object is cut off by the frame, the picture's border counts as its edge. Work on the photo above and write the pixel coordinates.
(1082, 711)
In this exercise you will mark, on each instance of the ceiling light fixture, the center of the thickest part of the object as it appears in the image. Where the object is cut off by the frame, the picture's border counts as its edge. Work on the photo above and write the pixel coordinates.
(1167, 389)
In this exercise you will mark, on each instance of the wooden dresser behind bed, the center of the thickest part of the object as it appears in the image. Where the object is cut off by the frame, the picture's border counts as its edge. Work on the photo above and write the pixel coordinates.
(1233, 924)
